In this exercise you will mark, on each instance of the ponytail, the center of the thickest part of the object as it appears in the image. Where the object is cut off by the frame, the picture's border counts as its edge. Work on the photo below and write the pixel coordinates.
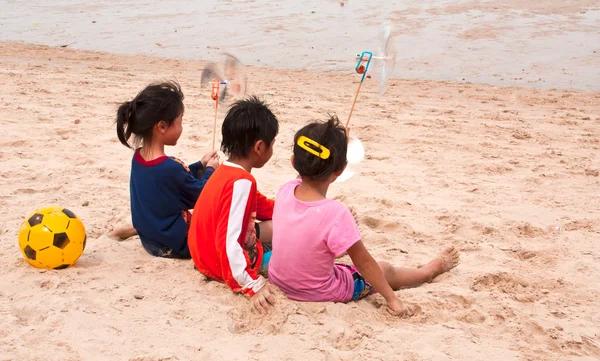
(157, 102)
(125, 122)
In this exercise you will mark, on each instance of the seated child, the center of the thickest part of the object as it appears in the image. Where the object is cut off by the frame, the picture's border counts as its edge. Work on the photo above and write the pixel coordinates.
(310, 231)
(225, 241)
(162, 188)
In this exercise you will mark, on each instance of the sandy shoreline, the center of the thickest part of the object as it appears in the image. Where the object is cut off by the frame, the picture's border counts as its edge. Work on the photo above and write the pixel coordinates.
(509, 175)
(546, 44)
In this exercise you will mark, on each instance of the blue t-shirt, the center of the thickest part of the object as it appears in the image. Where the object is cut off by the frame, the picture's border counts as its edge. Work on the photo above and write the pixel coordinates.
(162, 191)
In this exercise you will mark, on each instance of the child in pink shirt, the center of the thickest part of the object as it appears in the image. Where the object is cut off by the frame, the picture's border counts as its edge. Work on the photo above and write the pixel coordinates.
(310, 231)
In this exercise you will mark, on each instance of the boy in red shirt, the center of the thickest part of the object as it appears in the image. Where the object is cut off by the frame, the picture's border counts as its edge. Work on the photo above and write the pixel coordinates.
(224, 236)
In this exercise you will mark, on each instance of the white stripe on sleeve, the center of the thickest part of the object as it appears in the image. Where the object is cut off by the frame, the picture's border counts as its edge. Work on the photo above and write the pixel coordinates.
(235, 226)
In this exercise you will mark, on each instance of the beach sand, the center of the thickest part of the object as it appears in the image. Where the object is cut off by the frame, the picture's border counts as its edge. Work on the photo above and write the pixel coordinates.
(508, 175)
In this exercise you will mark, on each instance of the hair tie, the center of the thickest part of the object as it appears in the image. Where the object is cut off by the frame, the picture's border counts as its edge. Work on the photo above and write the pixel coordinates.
(318, 150)
(130, 109)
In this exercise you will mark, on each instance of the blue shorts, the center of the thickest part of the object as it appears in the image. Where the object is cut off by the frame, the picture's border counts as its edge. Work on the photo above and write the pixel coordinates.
(362, 288)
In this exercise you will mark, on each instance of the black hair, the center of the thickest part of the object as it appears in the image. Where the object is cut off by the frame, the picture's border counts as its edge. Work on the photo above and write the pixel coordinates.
(248, 121)
(158, 101)
(331, 135)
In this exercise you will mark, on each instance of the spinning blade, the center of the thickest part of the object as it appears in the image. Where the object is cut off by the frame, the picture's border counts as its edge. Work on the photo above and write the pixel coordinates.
(230, 71)
(387, 56)
(354, 155)
(234, 76)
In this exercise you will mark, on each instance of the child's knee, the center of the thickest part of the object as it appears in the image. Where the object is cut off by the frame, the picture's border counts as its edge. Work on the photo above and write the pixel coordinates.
(386, 267)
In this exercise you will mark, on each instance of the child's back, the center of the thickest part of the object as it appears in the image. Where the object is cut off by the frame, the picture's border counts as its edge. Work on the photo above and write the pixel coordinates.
(162, 188)
(313, 233)
(310, 231)
(227, 211)
(161, 192)
(225, 242)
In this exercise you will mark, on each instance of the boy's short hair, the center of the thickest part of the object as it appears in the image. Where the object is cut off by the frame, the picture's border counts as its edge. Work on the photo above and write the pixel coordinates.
(247, 121)
(331, 135)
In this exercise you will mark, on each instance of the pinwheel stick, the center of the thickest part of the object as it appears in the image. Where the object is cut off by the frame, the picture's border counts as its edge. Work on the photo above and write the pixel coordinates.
(215, 125)
(353, 104)
(216, 85)
(362, 66)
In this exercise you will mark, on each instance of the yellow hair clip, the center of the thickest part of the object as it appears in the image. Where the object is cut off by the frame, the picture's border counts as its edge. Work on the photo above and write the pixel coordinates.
(305, 143)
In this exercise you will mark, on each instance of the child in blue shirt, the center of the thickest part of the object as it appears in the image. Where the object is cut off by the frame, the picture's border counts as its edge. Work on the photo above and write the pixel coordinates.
(162, 189)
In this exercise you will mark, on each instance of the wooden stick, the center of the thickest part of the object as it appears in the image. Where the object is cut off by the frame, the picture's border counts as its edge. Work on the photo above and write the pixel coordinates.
(215, 125)
(353, 104)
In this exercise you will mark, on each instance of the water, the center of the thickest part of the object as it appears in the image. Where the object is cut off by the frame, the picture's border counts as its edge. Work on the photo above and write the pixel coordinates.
(515, 42)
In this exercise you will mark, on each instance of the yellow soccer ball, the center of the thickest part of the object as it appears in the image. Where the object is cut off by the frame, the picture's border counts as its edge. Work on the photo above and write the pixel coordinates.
(52, 238)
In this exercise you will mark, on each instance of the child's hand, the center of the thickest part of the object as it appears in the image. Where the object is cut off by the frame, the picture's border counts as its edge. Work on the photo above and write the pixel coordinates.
(208, 156)
(214, 162)
(396, 308)
(264, 299)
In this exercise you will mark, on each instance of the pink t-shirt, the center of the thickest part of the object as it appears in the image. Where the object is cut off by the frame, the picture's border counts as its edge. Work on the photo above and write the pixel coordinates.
(307, 237)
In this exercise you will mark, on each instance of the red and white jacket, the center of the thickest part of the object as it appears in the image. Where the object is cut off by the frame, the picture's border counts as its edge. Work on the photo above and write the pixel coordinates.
(222, 226)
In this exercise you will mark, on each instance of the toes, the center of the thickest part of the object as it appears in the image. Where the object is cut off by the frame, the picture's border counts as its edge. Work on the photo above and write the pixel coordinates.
(456, 260)
(450, 257)
(450, 252)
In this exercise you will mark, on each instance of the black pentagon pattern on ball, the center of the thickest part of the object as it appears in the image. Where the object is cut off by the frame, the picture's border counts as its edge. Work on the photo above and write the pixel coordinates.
(30, 253)
(84, 241)
(61, 240)
(62, 266)
(69, 213)
(35, 219)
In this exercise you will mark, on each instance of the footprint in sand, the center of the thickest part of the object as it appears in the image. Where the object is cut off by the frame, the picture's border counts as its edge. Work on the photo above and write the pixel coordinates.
(529, 231)
(514, 286)
(384, 202)
(500, 281)
(578, 225)
(347, 339)
(592, 172)
(375, 157)
(471, 316)
(524, 255)
(34, 191)
(17, 144)
(380, 225)
(469, 231)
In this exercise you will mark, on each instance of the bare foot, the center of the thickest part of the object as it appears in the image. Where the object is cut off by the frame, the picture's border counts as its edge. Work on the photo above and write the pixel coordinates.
(121, 233)
(448, 259)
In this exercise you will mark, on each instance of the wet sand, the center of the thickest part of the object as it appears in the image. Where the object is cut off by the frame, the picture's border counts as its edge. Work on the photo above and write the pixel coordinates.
(549, 44)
